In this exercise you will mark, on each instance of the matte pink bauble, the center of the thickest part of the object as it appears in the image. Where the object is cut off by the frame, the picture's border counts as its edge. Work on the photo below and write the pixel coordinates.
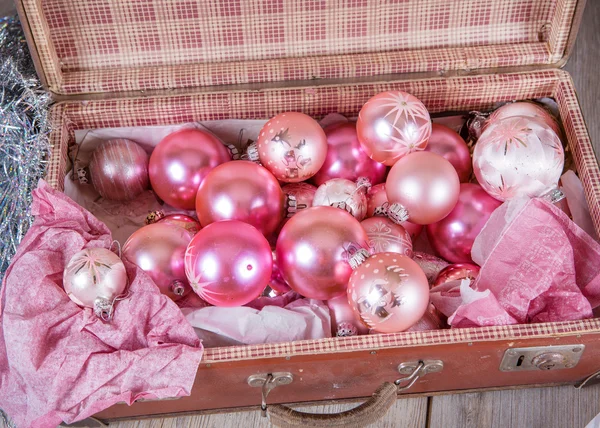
(344, 194)
(377, 205)
(422, 187)
(228, 263)
(293, 146)
(159, 249)
(518, 156)
(344, 321)
(457, 272)
(181, 161)
(119, 170)
(387, 236)
(451, 146)
(313, 250)
(524, 109)
(244, 191)
(452, 237)
(391, 125)
(346, 158)
(389, 292)
(94, 278)
(188, 223)
(303, 193)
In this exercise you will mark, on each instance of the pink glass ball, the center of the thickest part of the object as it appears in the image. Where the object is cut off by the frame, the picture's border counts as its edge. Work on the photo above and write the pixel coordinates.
(119, 170)
(228, 263)
(313, 251)
(344, 194)
(377, 205)
(244, 191)
(387, 236)
(344, 321)
(346, 158)
(304, 194)
(451, 146)
(159, 250)
(188, 223)
(457, 272)
(389, 292)
(518, 156)
(524, 109)
(391, 125)
(181, 161)
(293, 146)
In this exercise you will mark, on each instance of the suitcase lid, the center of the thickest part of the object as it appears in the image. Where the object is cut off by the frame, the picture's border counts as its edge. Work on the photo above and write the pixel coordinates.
(123, 46)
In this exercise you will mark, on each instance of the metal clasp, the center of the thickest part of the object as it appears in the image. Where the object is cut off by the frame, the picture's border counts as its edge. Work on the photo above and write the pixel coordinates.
(415, 370)
(267, 382)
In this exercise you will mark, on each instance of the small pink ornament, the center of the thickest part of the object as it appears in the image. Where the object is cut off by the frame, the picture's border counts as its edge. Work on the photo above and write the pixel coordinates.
(181, 161)
(313, 250)
(277, 282)
(346, 158)
(422, 187)
(387, 236)
(457, 272)
(518, 156)
(228, 263)
(389, 292)
(303, 194)
(451, 146)
(188, 223)
(244, 191)
(293, 146)
(159, 249)
(343, 319)
(377, 205)
(524, 109)
(452, 237)
(119, 170)
(344, 194)
(391, 125)
(95, 278)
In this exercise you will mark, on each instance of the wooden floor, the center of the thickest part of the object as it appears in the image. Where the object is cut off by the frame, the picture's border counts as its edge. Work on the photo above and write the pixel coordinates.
(559, 407)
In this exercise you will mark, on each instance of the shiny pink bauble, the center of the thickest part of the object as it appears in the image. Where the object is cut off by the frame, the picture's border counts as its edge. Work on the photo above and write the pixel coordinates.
(457, 272)
(304, 194)
(277, 282)
(159, 250)
(451, 146)
(518, 156)
(452, 237)
(391, 125)
(313, 251)
(93, 278)
(181, 161)
(188, 223)
(387, 236)
(377, 205)
(346, 158)
(244, 191)
(344, 194)
(293, 146)
(119, 170)
(524, 109)
(389, 292)
(344, 321)
(228, 263)
(425, 184)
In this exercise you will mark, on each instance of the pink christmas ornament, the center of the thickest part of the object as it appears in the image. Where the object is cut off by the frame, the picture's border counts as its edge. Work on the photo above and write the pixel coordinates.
(391, 125)
(277, 282)
(389, 292)
(432, 320)
(452, 237)
(457, 272)
(451, 146)
(422, 187)
(377, 205)
(524, 109)
(344, 321)
(346, 158)
(119, 170)
(241, 190)
(159, 250)
(344, 194)
(313, 250)
(303, 194)
(228, 263)
(293, 146)
(387, 236)
(518, 156)
(181, 161)
(188, 223)
(95, 278)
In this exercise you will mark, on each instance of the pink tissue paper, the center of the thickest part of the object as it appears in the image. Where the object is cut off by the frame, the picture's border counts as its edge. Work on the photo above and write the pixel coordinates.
(59, 362)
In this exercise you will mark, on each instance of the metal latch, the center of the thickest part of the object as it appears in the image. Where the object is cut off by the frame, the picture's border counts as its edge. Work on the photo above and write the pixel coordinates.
(541, 358)
(268, 382)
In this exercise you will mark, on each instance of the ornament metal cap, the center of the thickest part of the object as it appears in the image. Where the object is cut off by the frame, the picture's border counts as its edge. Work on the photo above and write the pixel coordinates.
(178, 287)
(234, 152)
(252, 153)
(363, 183)
(553, 196)
(103, 308)
(345, 329)
(83, 175)
(154, 216)
(291, 205)
(397, 213)
(358, 258)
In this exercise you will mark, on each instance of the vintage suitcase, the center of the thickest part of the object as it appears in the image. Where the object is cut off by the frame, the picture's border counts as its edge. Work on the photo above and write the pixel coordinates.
(112, 63)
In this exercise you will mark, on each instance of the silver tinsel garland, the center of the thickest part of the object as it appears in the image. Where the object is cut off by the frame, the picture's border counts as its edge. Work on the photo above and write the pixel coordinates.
(24, 147)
